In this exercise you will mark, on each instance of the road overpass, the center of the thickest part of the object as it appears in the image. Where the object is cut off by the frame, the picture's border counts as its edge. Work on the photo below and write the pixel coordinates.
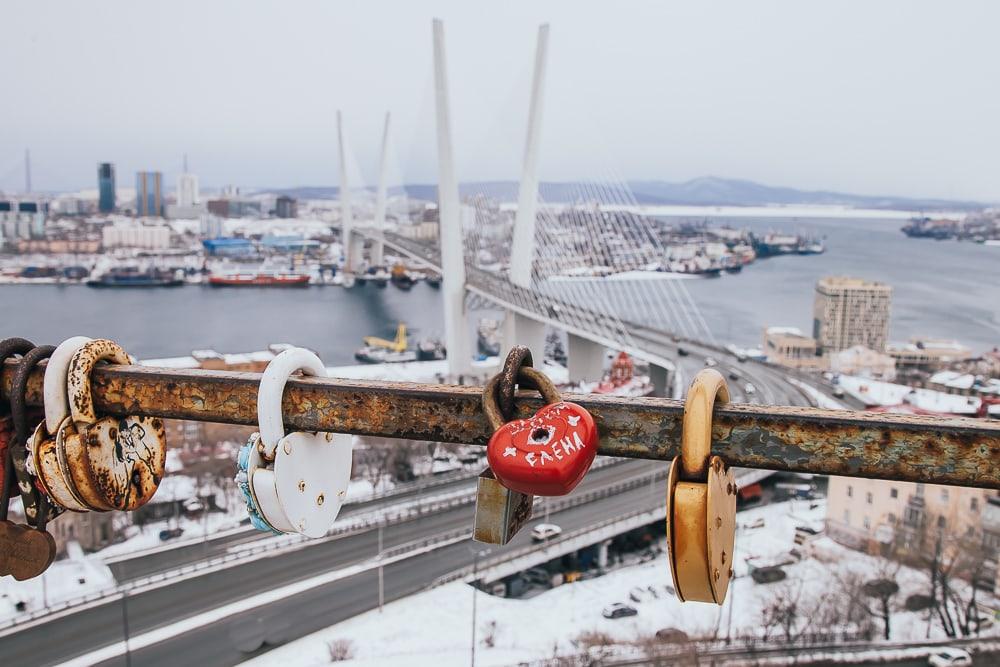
(221, 642)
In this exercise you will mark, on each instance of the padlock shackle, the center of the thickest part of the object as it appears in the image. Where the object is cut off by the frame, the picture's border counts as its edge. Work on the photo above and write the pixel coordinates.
(518, 357)
(527, 377)
(81, 398)
(707, 388)
(272, 388)
(56, 398)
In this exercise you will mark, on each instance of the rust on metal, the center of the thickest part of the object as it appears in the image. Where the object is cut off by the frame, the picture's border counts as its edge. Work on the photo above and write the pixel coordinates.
(937, 450)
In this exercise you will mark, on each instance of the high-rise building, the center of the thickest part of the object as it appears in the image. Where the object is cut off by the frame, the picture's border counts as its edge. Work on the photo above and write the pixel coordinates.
(187, 191)
(149, 194)
(286, 207)
(106, 187)
(849, 312)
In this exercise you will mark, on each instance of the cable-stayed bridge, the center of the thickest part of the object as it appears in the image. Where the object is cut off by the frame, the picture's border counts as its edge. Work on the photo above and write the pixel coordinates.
(589, 268)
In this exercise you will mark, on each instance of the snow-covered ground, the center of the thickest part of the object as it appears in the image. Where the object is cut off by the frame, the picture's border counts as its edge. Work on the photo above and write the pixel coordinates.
(434, 627)
(65, 579)
(875, 392)
(821, 399)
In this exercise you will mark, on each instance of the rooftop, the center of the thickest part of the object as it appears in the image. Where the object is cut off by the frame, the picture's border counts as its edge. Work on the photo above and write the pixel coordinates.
(847, 282)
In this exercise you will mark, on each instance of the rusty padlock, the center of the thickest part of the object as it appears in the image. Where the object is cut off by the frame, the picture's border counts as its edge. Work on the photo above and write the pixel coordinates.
(33, 498)
(500, 512)
(701, 501)
(25, 552)
(113, 463)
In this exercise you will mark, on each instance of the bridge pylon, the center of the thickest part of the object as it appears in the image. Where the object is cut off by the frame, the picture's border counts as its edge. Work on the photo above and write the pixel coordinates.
(457, 334)
(351, 241)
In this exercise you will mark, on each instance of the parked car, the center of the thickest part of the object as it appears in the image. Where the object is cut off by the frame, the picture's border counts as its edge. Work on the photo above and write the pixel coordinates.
(545, 531)
(619, 610)
(170, 533)
(949, 656)
(768, 575)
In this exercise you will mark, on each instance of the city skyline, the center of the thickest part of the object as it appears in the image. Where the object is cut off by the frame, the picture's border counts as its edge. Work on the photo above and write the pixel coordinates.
(835, 97)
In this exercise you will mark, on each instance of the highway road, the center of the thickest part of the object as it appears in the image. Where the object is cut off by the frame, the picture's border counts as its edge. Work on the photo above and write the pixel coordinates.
(224, 642)
(146, 564)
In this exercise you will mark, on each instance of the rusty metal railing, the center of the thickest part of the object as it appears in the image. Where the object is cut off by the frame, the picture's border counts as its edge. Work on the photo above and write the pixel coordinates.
(935, 450)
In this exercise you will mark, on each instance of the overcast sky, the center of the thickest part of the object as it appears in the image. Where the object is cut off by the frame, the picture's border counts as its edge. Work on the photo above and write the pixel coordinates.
(870, 97)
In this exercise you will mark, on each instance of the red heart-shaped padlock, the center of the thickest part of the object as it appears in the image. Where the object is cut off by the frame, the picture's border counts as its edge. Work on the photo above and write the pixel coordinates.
(546, 455)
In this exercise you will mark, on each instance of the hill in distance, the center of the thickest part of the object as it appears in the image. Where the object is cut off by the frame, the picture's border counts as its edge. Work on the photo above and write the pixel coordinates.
(704, 191)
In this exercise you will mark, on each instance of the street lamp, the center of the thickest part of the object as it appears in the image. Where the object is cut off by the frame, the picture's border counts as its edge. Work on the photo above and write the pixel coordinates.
(476, 554)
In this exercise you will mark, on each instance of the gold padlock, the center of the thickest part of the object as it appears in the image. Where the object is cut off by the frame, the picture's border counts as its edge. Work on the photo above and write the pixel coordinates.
(701, 501)
(501, 512)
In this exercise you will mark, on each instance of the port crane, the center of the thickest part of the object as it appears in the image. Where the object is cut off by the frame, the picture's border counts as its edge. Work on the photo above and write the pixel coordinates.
(399, 344)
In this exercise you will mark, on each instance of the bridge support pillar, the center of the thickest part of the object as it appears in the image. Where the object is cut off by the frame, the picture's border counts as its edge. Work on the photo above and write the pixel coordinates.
(660, 377)
(602, 554)
(521, 330)
(376, 253)
(585, 359)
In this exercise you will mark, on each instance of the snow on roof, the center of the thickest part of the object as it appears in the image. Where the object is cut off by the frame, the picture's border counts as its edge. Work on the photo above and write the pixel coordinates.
(175, 487)
(171, 362)
(785, 331)
(873, 392)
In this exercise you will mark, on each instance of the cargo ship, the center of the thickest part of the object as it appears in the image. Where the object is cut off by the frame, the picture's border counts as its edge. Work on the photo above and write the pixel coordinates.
(130, 276)
(258, 279)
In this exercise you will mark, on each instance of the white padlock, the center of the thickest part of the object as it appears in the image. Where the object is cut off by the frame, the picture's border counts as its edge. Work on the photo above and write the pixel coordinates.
(298, 481)
(45, 460)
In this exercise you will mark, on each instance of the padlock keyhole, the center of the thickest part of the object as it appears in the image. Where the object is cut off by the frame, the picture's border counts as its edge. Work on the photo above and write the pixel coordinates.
(540, 434)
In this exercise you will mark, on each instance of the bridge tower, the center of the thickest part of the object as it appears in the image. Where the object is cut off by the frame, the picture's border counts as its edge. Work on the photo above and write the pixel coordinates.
(449, 223)
(351, 241)
(585, 357)
(377, 250)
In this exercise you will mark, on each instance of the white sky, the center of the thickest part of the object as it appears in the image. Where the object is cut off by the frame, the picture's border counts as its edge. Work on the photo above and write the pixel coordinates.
(888, 97)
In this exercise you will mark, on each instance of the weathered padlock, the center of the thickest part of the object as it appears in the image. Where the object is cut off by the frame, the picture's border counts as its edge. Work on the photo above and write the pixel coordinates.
(548, 454)
(33, 498)
(501, 512)
(701, 501)
(113, 463)
(25, 552)
(294, 483)
(8, 348)
(44, 461)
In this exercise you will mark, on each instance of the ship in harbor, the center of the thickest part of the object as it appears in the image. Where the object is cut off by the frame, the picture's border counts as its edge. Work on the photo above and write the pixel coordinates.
(259, 278)
(772, 245)
(132, 276)
(383, 351)
(620, 380)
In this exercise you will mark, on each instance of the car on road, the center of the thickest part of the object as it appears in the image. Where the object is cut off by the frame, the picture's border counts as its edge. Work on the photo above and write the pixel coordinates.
(619, 610)
(681, 351)
(949, 656)
(733, 375)
(545, 531)
(768, 575)
(710, 361)
(749, 389)
(170, 533)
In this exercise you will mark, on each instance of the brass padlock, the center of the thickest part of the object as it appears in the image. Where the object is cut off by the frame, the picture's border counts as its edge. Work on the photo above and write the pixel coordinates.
(701, 501)
(500, 512)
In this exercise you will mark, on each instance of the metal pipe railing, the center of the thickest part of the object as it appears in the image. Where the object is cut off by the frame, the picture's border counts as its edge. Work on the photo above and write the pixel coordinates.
(934, 450)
